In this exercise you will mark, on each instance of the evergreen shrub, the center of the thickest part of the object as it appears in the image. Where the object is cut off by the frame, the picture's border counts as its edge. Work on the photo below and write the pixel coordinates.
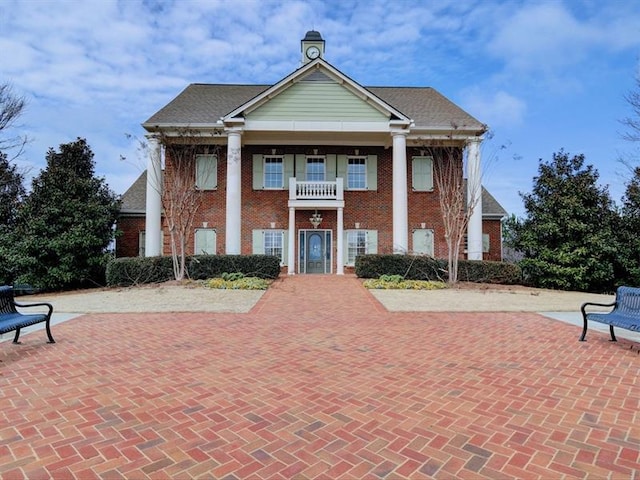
(140, 270)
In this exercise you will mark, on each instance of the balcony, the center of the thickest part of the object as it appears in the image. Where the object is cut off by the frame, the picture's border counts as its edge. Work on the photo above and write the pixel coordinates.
(316, 194)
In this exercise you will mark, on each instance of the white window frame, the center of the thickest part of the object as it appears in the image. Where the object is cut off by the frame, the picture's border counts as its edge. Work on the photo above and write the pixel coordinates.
(364, 160)
(202, 251)
(274, 235)
(210, 180)
(424, 184)
(267, 160)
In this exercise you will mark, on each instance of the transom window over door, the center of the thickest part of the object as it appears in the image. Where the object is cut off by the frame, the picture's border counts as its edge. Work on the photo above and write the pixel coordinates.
(357, 173)
(315, 169)
(273, 172)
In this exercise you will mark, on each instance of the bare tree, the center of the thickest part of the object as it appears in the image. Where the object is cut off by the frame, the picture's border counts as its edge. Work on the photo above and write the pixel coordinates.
(458, 199)
(182, 187)
(11, 107)
(633, 122)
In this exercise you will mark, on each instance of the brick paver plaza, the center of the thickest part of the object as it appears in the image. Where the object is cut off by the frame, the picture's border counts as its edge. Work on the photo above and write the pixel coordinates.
(319, 381)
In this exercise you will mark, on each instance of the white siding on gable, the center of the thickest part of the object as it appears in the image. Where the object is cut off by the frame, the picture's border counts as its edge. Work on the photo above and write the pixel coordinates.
(318, 101)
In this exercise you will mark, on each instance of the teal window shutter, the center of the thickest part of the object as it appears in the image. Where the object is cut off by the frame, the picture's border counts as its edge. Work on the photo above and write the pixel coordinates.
(206, 172)
(422, 174)
(423, 242)
(257, 244)
(285, 247)
(372, 172)
(288, 169)
(341, 169)
(372, 241)
(205, 241)
(331, 167)
(258, 180)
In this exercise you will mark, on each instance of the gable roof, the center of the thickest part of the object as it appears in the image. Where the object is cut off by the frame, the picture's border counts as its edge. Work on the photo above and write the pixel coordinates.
(205, 105)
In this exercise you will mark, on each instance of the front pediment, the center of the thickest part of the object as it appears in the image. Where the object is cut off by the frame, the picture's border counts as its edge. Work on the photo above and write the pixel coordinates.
(316, 96)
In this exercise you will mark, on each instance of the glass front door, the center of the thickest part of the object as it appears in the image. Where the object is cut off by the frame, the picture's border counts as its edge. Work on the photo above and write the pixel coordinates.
(315, 251)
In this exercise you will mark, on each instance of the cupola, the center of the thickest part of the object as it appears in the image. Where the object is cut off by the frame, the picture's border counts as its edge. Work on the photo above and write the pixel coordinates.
(312, 46)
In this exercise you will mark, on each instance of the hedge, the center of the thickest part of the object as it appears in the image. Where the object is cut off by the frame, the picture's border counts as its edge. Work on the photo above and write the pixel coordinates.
(139, 270)
(414, 267)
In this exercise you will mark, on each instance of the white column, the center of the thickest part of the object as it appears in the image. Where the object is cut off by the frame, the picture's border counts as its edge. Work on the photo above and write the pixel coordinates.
(291, 256)
(234, 194)
(153, 215)
(400, 210)
(474, 199)
(340, 242)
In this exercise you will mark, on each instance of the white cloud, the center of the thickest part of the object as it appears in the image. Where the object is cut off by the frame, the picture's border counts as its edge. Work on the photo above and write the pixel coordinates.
(500, 110)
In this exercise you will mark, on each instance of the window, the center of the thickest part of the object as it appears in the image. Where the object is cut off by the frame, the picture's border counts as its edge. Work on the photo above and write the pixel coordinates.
(271, 242)
(356, 245)
(315, 169)
(273, 172)
(485, 243)
(206, 172)
(357, 173)
(142, 238)
(359, 242)
(422, 174)
(423, 241)
(205, 241)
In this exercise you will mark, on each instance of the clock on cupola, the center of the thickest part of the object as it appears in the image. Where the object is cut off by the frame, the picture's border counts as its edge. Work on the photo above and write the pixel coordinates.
(312, 46)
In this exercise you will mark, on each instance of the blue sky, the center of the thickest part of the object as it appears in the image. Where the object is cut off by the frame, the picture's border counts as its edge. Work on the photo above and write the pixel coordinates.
(544, 75)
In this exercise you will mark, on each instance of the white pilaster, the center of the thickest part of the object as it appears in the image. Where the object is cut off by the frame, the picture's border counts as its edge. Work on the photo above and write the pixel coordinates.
(340, 242)
(153, 215)
(234, 193)
(291, 256)
(400, 199)
(474, 199)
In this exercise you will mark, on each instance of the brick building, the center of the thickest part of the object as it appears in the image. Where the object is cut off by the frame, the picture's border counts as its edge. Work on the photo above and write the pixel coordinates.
(316, 169)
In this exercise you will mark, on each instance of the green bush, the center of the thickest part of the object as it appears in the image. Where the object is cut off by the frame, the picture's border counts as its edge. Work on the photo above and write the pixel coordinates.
(140, 270)
(201, 267)
(124, 272)
(410, 267)
(484, 271)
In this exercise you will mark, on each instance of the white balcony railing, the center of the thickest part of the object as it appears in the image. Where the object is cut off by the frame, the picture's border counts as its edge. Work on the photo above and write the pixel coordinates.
(316, 190)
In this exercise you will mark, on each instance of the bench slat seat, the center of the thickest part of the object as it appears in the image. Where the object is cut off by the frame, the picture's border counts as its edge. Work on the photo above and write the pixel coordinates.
(11, 319)
(625, 313)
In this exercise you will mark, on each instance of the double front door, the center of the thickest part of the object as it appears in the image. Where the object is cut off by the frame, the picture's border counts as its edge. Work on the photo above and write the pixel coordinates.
(315, 251)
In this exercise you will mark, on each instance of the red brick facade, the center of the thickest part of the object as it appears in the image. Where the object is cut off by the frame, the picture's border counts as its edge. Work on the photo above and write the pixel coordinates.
(267, 209)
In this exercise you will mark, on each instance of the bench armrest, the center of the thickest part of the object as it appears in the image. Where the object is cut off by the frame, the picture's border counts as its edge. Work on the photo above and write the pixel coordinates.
(593, 304)
(43, 304)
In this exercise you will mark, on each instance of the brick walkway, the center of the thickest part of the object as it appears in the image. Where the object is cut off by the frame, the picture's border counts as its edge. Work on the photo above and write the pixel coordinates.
(319, 381)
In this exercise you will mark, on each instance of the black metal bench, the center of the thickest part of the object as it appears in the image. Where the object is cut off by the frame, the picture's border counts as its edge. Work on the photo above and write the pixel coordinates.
(11, 319)
(625, 313)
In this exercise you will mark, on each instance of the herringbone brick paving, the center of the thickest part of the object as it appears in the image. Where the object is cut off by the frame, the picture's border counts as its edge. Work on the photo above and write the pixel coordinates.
(319, 381)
